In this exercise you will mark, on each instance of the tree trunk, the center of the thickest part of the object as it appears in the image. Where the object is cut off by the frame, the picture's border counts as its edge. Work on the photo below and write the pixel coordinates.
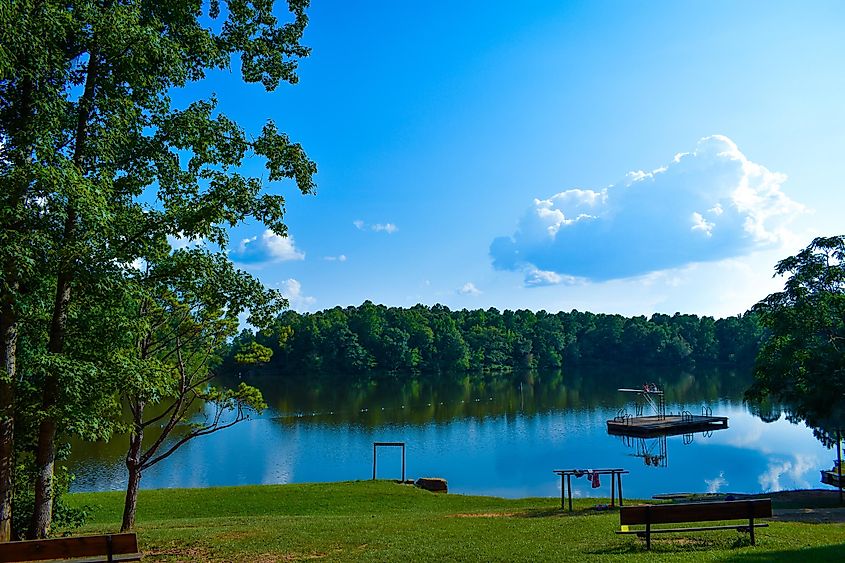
(8, 351)
(133, 465)
(45, 455)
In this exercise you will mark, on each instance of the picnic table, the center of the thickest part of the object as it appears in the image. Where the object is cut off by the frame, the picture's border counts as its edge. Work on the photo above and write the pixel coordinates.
(566, 482)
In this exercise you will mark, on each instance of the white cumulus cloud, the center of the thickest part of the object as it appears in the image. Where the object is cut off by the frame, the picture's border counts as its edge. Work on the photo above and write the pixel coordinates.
(706, 205)
(292, 291)
(269, 247)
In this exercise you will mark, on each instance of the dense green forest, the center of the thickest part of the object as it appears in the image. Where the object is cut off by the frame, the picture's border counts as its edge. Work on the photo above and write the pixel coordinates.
(378, 341)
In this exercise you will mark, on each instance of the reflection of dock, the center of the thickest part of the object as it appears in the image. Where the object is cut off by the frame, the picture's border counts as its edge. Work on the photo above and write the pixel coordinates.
(667, 425)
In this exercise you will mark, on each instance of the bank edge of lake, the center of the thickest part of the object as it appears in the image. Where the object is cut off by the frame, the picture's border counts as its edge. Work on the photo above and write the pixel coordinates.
(383, 521)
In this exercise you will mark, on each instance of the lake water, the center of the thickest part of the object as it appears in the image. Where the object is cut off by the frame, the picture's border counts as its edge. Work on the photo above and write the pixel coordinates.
(490, 436)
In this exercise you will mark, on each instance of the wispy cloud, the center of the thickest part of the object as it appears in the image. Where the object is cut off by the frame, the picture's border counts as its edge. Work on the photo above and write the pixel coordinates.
(469, 289)
(388, 228)
(715, 485)
(536, 278)
(795, 469)
(179, 242)
(269, 247)
(706, 205)
(338, 258)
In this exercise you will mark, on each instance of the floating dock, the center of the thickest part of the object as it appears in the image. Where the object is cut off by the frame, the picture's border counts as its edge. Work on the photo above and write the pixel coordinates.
(661, 424)
(666, 425)
(832, 478)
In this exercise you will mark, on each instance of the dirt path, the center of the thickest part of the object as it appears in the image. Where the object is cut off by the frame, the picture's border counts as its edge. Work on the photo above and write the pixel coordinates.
(810, 515)
(814, 506)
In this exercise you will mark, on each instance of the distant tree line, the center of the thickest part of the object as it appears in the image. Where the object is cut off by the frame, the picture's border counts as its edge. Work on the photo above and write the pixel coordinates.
(378, 341)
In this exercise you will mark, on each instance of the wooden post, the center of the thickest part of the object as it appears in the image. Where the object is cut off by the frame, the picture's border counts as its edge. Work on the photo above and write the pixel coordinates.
(750, 509)
(619, 485)
(839, 462)
(569, 489)
(562, 490)
(376, 445)
(648, 527)
(612, 486)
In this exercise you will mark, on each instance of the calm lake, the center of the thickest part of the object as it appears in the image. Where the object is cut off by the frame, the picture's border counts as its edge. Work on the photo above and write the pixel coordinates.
(491, 436)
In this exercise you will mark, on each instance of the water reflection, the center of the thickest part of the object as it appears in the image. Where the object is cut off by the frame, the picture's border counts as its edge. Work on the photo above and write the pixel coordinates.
(498, 436)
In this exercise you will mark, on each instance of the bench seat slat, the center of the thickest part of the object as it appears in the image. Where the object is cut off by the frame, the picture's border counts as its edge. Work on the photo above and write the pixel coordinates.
(85, 549)
(739, 527)
(98, 559)
(695, 512)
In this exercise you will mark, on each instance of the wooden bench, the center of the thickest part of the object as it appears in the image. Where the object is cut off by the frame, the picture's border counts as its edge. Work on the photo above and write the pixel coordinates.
(647, 515)
(81, 549)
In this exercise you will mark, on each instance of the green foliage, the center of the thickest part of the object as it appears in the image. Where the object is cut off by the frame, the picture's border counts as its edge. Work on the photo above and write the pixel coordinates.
(99, 169)
(253, 353)
(66, 516)
(802, 365)
(360, 343)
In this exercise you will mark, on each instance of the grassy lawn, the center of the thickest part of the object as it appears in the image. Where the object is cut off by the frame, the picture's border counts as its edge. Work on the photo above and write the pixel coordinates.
(384, 521)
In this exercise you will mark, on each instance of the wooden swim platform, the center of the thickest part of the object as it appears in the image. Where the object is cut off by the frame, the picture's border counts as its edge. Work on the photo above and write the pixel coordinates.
(667, 425)
(832, 478)
(660, 424)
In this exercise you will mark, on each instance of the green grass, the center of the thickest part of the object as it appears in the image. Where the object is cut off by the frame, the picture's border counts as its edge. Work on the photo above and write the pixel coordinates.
(383, 521)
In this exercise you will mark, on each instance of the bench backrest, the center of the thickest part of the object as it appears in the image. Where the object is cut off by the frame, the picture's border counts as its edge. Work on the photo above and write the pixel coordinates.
(68, 548)
(695, 512)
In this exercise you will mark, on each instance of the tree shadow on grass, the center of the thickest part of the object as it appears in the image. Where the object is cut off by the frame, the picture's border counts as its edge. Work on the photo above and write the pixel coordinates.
(667, 545)
(543, 513)
(533, 513)
(559, 512)
(819, 553)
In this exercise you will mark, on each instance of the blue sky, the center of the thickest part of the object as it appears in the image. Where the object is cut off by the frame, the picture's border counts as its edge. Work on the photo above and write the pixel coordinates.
(630, 157)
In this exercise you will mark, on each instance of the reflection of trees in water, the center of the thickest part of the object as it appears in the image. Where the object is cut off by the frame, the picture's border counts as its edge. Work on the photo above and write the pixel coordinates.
(117, 447)
(766, 410)
(322, 399)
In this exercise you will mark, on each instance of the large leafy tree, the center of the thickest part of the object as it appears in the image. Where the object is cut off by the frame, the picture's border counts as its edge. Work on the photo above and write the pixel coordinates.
(802, 365)
(90, 138)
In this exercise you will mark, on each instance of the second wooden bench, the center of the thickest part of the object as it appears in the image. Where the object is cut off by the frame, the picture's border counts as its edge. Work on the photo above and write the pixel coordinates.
(648, 515)
(85, 549)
